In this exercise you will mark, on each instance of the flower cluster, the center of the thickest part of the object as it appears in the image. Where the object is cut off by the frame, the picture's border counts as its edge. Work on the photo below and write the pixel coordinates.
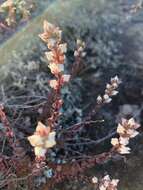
(42, 139)
(111, 90)
(52, 36)
(126, 131)
(56, 56)
(94, 180)
(134, 8)
(106, 183)
(79, 52)
(11, 8)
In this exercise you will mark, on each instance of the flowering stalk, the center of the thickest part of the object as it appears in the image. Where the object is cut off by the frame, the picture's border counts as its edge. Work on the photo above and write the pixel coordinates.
(56, 58)
(79, 54)
(111, 90)
(44, 137)
(14, 7)
(126, 131)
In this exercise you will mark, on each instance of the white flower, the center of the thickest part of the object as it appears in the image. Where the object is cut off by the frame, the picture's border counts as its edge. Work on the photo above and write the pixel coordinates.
(124, 150)
(94, 180)
(107, 177)
(76, 53)
(108, 184)
(115, 80)
(114, 93)
(50, 32)
(107, 99)
(66, 78)
(63, 48)
(124, 141)
(42, 139)
(133, 124)
(53, 84)
(114, 141)
(99, 99)
(36, 140)
(50, 56)
(56, 68)
(50, 142)
(102, 187)
(39, 151)
(120, 129)
(78, 42)
(131, 121)
(126, 130)
(106, 180)
(132, 133)
(115, 182)
(108, 86)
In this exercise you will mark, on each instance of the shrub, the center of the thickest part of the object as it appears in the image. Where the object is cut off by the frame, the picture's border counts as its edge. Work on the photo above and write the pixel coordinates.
(61, 152)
